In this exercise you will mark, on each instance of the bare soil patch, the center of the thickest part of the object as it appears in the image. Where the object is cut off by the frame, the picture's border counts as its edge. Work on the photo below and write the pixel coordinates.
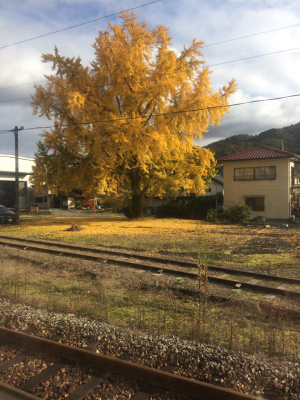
(264, 245)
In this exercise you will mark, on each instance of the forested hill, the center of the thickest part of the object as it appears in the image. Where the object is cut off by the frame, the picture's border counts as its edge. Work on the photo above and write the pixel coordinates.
(271, 138)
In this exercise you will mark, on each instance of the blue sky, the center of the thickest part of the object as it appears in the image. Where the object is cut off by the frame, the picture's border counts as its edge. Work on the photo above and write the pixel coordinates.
(211, 21)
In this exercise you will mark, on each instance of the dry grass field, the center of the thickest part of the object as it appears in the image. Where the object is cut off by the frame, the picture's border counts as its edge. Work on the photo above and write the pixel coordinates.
(149, 303)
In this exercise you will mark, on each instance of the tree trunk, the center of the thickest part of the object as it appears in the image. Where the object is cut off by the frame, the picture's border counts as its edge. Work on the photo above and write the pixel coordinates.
(137, 205)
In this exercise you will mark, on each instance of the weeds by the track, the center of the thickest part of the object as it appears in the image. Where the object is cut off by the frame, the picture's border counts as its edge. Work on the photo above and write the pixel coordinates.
(150, 303)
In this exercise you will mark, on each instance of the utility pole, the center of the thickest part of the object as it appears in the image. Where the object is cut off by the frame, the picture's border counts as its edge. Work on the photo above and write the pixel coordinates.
(17, 198)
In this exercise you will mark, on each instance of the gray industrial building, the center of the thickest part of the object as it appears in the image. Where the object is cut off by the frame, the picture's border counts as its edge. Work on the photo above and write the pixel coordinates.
(28, 197)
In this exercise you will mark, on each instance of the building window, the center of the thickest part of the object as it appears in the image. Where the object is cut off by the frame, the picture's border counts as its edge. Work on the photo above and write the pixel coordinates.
(38, 200)
(256, 203)
(254, 173)
(22, 188)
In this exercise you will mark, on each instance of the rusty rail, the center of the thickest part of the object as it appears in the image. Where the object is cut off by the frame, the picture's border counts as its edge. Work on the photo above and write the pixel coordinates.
(162, 260)
(159, 269)
(156, 377)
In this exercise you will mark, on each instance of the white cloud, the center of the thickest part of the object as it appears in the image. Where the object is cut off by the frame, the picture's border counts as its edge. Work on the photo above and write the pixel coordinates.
(209, 20)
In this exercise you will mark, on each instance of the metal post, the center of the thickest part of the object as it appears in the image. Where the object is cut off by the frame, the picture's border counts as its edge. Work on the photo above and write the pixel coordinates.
(17, 198)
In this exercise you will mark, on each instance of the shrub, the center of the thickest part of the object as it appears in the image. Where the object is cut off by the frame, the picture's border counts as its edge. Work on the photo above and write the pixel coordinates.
(196, 208)
(205, 203)
(237, 214)
(213, 216)
(78, 203)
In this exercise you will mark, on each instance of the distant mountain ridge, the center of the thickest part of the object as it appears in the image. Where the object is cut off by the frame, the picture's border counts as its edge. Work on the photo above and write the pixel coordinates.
(271, 138)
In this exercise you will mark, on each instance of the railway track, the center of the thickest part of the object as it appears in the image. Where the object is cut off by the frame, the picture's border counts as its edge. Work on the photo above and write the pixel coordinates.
(277, 285)
(65, 357)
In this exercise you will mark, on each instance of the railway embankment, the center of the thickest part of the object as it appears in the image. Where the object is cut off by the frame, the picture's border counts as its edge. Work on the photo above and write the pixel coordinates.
(270, 378)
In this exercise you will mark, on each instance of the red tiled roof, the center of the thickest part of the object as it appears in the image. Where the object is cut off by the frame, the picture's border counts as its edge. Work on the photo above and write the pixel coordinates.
(258, 153)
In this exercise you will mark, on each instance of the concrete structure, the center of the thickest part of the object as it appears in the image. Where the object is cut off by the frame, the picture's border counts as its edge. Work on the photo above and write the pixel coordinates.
(28, 197)
(265, 179)
(7, 181)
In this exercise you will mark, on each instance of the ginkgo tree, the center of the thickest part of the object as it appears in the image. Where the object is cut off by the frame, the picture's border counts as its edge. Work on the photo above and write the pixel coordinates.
(125, 126)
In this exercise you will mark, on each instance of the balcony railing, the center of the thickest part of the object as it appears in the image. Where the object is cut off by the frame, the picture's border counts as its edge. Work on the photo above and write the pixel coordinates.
(295, 181)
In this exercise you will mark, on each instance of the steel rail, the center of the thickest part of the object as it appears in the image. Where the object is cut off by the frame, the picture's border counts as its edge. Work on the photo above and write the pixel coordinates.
(139, 372)
(157, 269)
(161, 260)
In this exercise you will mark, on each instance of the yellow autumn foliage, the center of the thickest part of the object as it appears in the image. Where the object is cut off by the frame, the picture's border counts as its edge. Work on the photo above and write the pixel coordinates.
(126, 127)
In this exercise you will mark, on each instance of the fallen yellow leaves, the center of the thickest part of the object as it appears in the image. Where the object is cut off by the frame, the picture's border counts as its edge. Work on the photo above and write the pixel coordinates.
(254, 247)
(121, 226)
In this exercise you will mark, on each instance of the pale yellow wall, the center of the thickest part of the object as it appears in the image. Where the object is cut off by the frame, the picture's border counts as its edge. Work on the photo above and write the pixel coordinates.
(276, 192)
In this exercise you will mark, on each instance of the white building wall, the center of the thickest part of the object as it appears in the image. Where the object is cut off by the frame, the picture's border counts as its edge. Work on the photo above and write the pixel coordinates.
(215, 187)
(7, 164)
(7, 173)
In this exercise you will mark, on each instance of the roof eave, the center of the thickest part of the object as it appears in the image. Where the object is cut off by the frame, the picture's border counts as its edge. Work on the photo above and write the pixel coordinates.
(263, 158)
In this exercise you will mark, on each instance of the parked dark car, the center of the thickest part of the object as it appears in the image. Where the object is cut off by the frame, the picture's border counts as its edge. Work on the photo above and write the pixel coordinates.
(6, 216)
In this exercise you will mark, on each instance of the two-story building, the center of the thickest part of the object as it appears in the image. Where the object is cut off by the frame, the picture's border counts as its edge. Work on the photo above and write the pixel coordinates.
(264, 178)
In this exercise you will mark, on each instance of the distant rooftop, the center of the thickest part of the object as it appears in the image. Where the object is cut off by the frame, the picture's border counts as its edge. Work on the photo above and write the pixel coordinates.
(218, 179)
(258, 153)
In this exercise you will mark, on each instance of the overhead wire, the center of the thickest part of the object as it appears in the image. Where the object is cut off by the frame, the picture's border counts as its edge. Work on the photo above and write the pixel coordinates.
(167, 113)
(206, 66)
(206, 45)
(22, 98)
(174, 112)
(143, 5)
(248, 58)
(75, 26)
(251, 35)
(5, 131)
(22, 84)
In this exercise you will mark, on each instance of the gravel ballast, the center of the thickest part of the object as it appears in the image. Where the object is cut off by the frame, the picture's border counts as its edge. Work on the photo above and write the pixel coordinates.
(253, 374)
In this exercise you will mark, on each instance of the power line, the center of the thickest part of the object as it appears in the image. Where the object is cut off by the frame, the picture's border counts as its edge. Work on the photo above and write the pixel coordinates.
(75, 26)
(167, 113)
(206, 45)
(207, 66)
(22, 84)
(22, 98)
(247, 36)
(248, 58)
